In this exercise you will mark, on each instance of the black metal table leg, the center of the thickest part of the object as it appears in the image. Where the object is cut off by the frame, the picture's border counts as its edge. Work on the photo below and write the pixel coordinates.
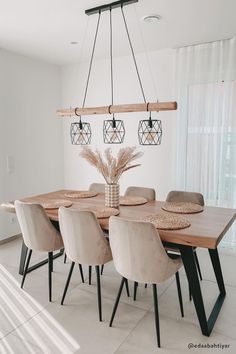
(24, 250)
(217, 269)
(220, 281)
(23, 256)
(191, 272)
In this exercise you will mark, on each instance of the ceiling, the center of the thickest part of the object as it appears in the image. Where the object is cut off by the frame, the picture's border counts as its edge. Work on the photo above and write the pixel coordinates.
(45, 28)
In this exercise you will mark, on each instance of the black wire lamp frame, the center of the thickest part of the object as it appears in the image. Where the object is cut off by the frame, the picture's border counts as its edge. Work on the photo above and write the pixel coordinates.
(150, 131)
(80, 132)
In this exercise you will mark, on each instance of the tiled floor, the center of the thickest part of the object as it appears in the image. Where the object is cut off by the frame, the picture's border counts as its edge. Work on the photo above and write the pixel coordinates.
(29, 324)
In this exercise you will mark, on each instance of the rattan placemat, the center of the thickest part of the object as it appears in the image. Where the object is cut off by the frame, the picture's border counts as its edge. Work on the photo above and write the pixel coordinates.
(167, 222)
(132, 200)
(55, 204)
(182, 207)
(102, 212)
(80, 194)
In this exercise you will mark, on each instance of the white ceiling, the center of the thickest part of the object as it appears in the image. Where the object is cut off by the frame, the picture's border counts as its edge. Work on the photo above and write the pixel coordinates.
(45, 28)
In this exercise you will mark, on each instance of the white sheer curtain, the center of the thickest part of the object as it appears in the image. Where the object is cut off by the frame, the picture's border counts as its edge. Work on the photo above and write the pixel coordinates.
(206, 137)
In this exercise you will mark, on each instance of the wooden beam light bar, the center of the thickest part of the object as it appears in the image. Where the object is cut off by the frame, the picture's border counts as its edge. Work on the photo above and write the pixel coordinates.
(124, 108)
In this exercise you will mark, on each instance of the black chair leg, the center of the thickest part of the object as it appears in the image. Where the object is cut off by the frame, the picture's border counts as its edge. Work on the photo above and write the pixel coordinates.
(65, 257)
(90, 274)
(190, 294)
(127, 287)
(197, 264)
(156, 314)
(81, 272)
(99, 292)
(26, 268)
(102, 267)
(145, 286)
(117, 300)
(50, 269)
(135, 289)
(179, 293)
(67, 282)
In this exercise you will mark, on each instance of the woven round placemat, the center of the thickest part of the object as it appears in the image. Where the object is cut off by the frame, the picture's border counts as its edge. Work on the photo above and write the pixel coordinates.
(167, 222)
(56, 204)
(182, 207)
(102, 212)
(132, 200)
(80, 194)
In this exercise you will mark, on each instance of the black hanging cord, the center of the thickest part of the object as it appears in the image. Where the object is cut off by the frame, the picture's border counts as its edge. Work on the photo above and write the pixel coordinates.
(91, 60)
(132, 50)
(111, 58)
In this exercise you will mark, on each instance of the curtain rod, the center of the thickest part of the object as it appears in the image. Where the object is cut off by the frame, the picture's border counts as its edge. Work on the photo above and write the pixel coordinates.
(200, 43)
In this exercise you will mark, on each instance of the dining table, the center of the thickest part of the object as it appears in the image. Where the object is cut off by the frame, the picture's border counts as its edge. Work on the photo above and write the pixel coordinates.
(207, 229)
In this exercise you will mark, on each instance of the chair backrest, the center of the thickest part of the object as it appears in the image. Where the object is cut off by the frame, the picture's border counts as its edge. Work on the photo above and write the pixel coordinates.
(148, 193)
(138, 252)
(83, 238)
(97, 187)
(37, 230)
(188, 197)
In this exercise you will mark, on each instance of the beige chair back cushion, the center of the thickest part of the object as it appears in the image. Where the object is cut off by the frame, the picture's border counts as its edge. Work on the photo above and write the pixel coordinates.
(138, 252)
(97, 187)
(148, 193)
(188, 197)
(83, 237)
(37, 230)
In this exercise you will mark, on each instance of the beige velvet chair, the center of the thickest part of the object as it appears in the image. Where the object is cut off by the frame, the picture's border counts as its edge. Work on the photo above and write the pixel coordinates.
(97, 187)
(84, 243)
(188, 197)
(139, 255)
(148, 193)
(38, 234)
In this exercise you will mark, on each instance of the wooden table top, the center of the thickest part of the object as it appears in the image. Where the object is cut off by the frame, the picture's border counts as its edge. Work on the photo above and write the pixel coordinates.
(206, 230)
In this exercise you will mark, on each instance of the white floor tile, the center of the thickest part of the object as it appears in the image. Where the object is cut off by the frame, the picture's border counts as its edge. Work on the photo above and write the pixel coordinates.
(29, 324)
(175, 338)
(79, 318)
(14, 345)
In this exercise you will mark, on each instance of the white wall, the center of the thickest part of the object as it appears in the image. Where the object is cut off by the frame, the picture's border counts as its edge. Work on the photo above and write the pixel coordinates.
(30, 132)
(157, 168)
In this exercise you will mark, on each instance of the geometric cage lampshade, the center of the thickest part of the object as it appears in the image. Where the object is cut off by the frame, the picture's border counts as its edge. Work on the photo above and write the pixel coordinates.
(113, 131)
(150, 132)
(80, 133)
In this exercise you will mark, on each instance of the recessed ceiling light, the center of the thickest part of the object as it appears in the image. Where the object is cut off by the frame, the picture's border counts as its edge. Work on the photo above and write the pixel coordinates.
(152, 18)
(73, 42)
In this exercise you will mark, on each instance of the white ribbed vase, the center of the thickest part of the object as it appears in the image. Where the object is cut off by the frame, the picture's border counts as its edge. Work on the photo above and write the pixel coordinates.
(112, 195)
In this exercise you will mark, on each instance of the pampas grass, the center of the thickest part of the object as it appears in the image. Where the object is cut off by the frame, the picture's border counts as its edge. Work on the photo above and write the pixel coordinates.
(109, 166)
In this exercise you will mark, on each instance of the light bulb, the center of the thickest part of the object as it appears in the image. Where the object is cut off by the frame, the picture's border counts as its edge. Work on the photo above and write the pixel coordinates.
(114, 135)
(151, 136)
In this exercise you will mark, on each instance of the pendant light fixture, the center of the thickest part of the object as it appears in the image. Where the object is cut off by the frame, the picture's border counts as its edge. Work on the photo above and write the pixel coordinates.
(149, 130)
(113, 129)
(81, 133)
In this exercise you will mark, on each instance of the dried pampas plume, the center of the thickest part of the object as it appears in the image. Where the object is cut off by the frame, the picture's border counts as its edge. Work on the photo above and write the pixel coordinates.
(109, 166)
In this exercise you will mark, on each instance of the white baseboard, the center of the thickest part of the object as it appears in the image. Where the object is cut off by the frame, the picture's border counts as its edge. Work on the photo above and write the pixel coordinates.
(9, 239)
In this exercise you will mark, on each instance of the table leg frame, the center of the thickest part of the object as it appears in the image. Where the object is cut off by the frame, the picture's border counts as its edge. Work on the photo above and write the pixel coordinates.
(191, 272)
(24, 251)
